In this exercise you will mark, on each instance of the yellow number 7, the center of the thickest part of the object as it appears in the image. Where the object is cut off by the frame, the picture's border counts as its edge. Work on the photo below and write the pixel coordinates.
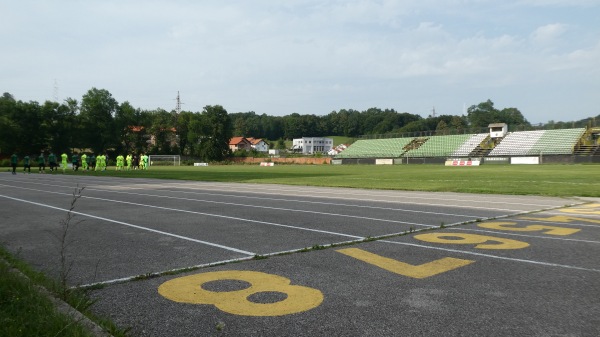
(419, 271)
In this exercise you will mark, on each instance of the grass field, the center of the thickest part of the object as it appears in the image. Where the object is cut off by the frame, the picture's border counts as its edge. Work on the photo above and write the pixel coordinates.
(549, 180)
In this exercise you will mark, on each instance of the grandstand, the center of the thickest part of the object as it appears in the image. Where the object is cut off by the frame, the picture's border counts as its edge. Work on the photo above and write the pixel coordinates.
(439, 146)
(466, 148)
(565, 142)
(376, 148)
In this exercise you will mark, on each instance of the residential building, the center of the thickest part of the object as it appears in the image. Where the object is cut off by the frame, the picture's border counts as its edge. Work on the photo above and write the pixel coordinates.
(312, 145)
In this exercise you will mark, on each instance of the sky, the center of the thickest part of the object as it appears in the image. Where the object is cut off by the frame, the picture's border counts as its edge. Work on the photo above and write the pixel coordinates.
(309, 56)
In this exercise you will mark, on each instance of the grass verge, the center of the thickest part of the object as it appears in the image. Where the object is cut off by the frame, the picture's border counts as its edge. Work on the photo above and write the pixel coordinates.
(26, 311)
(546, 180)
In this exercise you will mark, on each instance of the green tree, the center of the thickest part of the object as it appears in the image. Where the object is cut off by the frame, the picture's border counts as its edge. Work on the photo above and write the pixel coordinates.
(10, 129)
(217, 130)
(163, 131)
(98, 108)
(483, 114)
(182, 125)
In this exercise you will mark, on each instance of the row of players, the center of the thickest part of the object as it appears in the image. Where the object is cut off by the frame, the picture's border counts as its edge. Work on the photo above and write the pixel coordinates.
(88, 163)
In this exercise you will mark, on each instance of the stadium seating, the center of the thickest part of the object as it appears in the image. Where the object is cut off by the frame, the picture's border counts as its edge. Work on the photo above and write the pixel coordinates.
(517, 143)
(376, 148)
(439, 146)
(557, 142)
(469, 145)
(522, 143)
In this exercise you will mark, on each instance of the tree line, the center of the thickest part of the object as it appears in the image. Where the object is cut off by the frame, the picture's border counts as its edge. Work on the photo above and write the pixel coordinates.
(101, 124)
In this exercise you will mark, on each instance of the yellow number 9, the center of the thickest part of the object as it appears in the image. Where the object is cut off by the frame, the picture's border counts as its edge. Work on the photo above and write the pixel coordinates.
(478, 240)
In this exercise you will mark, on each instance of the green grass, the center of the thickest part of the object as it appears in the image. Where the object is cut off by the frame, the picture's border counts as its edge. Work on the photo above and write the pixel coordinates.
(548, 180)
(25, 311)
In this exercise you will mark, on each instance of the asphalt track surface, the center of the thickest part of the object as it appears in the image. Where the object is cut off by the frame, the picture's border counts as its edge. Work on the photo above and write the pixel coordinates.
(179, 258)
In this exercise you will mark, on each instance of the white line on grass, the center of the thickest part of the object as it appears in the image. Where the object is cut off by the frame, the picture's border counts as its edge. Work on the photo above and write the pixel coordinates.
(130, 225)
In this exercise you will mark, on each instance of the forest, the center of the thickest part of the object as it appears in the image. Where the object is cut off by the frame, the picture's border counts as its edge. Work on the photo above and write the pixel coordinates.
(100, 124)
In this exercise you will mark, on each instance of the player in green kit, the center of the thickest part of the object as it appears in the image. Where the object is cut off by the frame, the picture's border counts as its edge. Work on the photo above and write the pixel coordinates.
(120, 162)
(129, 160)
(92, 162)
(84, 164)
(14, 160)
(63, 163)
(41, 163)
(75, 161)
(52, 161)
(26, 164)
(98, 163)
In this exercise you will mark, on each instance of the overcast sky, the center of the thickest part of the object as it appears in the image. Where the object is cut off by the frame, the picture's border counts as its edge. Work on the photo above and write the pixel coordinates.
(309, 56)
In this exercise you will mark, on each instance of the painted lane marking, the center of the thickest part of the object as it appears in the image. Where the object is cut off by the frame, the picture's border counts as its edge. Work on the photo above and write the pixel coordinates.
(132, 225)
(344, 195)
(523, 235)
(189, 289)
(251, 206)
(548, 264)
(272, 199)
(510, 226)
(202, 213)
(480, 241)
(398, 267)
(561, 218)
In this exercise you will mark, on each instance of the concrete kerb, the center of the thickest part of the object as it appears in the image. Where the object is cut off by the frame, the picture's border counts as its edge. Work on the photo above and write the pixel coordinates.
(62, 306)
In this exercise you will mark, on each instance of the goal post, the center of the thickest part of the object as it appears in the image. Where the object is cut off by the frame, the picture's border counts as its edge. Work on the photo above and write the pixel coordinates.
(164, 160)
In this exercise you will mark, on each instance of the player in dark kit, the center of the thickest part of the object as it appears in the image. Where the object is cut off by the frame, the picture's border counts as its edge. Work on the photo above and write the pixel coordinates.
(41, 163)
(14, 160)
(26, 164)
(52, 161)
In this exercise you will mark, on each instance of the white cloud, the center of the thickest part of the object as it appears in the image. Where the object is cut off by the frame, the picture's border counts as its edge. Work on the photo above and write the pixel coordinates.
(548, 34)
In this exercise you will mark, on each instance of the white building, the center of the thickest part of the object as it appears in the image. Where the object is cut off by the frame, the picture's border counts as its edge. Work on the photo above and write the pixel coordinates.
(312, 145)
(259, 144)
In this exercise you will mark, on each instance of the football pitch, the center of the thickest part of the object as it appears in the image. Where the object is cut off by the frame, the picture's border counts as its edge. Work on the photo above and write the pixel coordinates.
(336, 251)
(547, 180)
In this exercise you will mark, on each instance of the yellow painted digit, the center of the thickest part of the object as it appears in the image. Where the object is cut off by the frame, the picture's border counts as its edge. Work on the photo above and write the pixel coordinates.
(478, 240)
(419, 271)
(188, 289)
(509, 226)
(561, 218)
(585, 209)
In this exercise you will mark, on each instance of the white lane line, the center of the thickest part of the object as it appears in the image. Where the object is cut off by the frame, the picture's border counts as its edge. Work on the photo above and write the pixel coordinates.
(131, 225)
(201, 213)
(548, 264)
(177, 270)
(110, 189)
(311, 202)
(255, 188)
(524, 235)
(403, 194)
(252, 206)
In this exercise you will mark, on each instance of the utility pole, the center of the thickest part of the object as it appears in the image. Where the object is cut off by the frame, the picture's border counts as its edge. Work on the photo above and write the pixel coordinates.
(55, 92)
(178, 104)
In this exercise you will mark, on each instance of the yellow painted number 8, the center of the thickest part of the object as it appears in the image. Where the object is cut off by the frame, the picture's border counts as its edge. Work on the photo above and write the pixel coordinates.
(188, 289)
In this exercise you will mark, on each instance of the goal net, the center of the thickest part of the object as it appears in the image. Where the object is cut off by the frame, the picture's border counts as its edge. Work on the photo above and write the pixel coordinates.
(164, 160)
